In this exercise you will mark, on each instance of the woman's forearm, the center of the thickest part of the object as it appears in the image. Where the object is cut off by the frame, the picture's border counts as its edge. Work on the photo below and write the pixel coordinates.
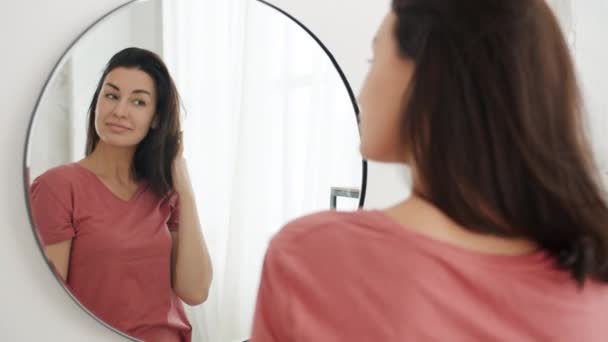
(192, 272)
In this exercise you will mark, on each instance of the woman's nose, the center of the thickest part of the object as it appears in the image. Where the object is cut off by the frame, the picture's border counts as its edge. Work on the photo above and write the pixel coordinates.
(121, 109)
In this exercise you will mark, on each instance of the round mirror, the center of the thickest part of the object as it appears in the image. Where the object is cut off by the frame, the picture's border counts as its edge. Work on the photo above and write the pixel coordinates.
(160, 234)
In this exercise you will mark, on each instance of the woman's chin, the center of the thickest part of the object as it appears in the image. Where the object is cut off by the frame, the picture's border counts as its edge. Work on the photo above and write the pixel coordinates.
(120, 141)
(379, 155)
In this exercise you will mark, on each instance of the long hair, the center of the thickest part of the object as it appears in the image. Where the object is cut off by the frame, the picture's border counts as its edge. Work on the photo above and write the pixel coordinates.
(155, 154)
(493, 123)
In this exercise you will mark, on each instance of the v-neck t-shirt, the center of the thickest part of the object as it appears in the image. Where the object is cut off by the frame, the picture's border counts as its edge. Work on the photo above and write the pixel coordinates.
(120, 259)
(361, 276)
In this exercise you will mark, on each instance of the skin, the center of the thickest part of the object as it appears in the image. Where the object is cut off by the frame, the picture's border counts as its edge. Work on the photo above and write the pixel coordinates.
(381, 103)
(125, 113)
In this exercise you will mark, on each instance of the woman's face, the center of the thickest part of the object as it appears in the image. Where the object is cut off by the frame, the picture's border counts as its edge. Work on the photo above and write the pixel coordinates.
(381, 97)
(125, 108)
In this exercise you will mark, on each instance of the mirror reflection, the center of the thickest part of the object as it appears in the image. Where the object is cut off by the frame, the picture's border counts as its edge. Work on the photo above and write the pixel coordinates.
(169, 145)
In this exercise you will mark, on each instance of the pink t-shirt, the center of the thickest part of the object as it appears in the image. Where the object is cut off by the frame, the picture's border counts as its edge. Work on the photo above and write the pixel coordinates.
(120, 261)
(361, 276)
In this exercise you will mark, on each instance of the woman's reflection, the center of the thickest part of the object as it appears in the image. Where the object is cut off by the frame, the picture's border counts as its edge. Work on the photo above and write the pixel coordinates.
(121, 225)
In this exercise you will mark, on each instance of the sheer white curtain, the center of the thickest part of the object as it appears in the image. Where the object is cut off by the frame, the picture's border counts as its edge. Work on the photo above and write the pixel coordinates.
(269, 128)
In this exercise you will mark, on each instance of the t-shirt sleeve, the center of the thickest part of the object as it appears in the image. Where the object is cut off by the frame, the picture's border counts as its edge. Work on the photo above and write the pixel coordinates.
(173, 222)
(51, 205)
(271, 319)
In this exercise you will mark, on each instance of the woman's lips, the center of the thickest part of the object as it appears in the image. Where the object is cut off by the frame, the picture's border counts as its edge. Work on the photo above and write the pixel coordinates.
(117, 128)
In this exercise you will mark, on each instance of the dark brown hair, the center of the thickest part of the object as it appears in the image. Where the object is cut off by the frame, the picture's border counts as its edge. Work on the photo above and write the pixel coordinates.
(155, 154)
(494, 126)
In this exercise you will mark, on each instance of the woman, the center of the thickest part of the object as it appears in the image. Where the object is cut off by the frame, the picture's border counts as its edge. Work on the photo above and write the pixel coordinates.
(505, 235)
(121, 225)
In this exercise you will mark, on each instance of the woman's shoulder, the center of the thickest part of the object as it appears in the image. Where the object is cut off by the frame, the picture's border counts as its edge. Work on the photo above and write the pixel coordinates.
(327, 225)
(61, 175)
(55, 187)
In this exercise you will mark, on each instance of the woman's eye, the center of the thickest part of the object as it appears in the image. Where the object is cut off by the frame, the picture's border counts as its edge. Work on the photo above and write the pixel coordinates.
(139, 103)
(111, 96)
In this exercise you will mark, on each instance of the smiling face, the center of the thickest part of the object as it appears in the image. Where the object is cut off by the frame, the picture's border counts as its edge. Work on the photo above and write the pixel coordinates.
(126, 107)
(381, 98)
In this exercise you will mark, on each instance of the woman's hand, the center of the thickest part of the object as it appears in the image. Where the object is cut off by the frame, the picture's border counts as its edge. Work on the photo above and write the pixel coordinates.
(181, 177)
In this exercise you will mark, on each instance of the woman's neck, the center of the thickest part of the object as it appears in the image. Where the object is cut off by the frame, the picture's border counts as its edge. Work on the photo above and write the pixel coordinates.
(419, 215)
(112, 162)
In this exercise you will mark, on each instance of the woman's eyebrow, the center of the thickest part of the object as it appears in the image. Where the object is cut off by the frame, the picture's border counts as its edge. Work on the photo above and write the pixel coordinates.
(137, 91)
(113, 86)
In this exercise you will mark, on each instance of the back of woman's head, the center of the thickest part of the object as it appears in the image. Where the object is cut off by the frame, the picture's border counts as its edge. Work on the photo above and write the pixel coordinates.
(494, 128)
(154, 155)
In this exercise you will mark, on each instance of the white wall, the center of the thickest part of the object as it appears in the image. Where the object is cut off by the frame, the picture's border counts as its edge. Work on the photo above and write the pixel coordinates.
(51, 144)
(34, 36)
(591, 55)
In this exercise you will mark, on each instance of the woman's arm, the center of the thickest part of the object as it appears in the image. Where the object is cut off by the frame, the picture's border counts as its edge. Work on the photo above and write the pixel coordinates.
(59, 255)
(52, 216)
(191, 265)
